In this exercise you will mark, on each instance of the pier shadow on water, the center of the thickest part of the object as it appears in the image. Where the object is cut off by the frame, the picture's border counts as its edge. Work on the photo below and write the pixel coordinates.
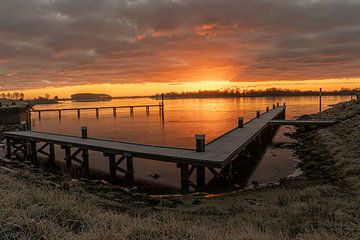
(267, 166)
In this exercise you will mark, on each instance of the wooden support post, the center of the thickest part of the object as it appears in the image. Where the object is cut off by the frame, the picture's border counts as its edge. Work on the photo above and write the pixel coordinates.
(200, 177)
(28, 118)
(200, 142)
(277, 104)
(97, 112)
(8, 148)
(229, 170)
(273, 106)
(52, 154)
(267, 109)
(284, 104)
(33, 152)
(114, 111)
(283, 114)
(184, 168)
(240, 122)
(112, 166)
(85, 163)
(131, 111)
(257, 114)
(130, 169)
(320, 96)
(85, 154)
(161, 105)
(59, 114)
(78, 113)
(68, 159)
(25, 149)
(39, 112)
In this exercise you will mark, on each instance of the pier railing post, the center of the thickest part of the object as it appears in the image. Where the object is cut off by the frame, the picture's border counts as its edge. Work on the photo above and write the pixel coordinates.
(114, 111)
(267, 109)
(277, 104)
(200, 142)
(240, 122)
(131, 111)
(257, 114)
(84, 132)
(320, 103)
(78, 113)
(59, 114)
(273, 106)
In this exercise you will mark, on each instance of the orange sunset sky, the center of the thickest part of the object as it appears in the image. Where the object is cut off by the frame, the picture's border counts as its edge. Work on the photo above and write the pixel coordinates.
(143, 47)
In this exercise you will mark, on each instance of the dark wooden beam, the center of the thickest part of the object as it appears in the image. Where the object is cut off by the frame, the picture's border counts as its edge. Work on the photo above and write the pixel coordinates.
(112, 166)
(184, 172)
(68, 158)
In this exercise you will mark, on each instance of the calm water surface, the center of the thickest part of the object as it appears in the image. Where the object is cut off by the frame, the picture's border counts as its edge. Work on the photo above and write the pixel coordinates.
(182, 120)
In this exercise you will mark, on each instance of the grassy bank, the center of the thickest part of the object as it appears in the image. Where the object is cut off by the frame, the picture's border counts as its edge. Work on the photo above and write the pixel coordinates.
(323, 204)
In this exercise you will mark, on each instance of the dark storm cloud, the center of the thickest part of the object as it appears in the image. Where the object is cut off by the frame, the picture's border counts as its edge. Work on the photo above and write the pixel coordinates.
(64, 42)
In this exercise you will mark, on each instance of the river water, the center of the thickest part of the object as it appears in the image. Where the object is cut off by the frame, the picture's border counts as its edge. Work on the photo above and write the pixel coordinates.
(183, 119)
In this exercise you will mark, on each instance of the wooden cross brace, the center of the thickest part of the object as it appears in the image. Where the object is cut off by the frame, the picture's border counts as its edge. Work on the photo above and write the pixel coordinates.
(114, 165)
(19, 147)
(73, 156)
(41, 149)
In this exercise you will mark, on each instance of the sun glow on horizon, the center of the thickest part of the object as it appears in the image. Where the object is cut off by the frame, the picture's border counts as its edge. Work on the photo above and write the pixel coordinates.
(146, 89)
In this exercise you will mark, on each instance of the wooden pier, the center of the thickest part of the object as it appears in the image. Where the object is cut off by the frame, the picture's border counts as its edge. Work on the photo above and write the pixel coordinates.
(160, 106)
(217, 156)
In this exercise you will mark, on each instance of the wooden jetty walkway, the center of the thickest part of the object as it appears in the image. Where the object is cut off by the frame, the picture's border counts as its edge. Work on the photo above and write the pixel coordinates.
(97, 109)
(217, 154)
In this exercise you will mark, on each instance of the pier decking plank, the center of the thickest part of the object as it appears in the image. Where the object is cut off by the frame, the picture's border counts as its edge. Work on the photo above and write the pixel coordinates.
(217, 154)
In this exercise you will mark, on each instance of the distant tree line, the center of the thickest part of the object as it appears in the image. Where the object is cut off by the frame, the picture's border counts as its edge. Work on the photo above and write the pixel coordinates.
(269, 92)
(13, 96)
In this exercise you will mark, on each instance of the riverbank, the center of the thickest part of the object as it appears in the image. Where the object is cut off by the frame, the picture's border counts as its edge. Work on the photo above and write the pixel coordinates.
(323, 204)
